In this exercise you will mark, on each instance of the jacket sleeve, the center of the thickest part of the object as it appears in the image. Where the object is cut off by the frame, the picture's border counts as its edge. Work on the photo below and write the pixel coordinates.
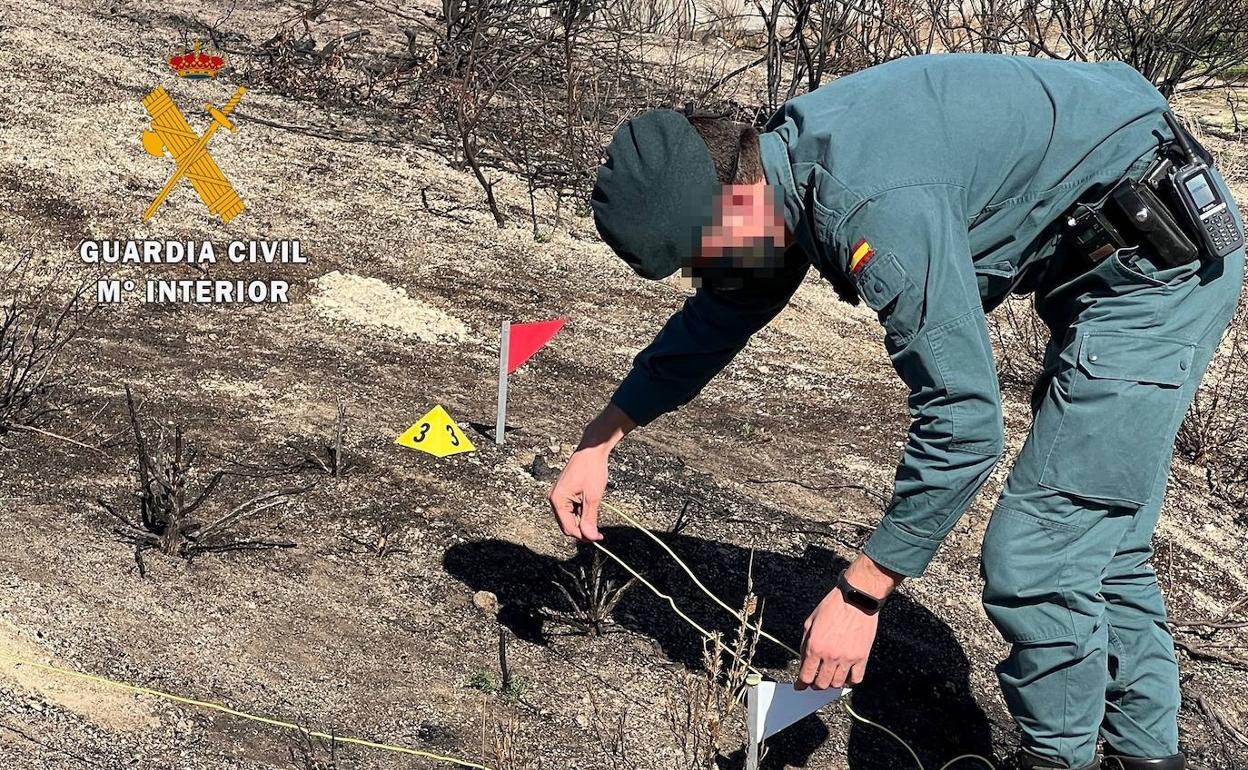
(699, 341)
(921, 281)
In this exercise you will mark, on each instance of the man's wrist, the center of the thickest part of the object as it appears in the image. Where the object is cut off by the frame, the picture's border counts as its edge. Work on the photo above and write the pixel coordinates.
(872, 579)
(607, 429)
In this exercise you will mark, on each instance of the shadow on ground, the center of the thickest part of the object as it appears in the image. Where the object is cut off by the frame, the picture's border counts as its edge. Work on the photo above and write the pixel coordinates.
(917, 681)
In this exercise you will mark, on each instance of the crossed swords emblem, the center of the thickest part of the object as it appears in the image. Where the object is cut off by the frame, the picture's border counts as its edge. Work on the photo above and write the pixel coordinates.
(171, 133)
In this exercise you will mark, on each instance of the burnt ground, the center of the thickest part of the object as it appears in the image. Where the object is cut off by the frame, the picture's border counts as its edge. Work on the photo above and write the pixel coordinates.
(334, 636)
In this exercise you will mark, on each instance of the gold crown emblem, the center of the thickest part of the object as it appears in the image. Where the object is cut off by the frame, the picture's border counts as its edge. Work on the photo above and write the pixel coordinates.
(197, 64)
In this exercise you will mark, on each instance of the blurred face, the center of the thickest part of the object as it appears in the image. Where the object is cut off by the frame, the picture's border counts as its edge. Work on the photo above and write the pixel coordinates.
(746, 238)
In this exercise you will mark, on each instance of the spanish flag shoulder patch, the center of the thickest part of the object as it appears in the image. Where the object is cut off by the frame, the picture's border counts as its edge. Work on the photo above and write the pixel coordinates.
(861, 255)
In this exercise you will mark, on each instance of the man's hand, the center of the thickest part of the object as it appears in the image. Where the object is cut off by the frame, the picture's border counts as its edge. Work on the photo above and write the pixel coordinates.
(578, 492)
(838, 636)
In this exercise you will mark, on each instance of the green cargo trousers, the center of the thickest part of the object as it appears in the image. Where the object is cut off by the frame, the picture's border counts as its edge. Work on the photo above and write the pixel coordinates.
(1066, 555)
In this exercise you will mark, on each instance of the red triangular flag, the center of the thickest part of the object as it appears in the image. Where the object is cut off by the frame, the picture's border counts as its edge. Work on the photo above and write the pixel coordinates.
(527, 339)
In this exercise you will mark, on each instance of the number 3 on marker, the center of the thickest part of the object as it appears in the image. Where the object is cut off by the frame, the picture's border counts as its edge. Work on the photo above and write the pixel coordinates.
(437, 433)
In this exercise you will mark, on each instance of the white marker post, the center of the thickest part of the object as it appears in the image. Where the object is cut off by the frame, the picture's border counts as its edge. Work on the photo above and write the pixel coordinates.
(771, 707)
(500, 425)
(753, 722)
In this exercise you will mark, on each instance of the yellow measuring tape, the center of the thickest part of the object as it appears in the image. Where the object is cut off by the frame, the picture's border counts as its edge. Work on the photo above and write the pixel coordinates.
(105, 681)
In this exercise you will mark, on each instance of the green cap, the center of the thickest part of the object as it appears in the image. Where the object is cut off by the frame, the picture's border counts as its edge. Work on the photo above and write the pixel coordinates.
(655, 192)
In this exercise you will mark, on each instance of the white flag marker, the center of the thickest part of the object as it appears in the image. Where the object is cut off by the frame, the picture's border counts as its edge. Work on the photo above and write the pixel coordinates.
(773, 706)
(500, 422)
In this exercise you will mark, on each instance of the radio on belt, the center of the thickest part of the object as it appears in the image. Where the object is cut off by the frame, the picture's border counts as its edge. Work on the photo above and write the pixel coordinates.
(1195, 190)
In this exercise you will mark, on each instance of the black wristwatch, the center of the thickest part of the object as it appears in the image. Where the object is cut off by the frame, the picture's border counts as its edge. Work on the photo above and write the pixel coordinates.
(860, 599)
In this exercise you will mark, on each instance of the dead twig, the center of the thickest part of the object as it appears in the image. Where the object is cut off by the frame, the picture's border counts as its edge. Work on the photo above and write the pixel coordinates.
(1221, 726)
(320, 132)
(310, 752)
(1209, 628)
(49, 746)
(448, 213)
(388, 541)
(35, 327)
(591, 596)
(57, 436)
(333, 461)
(1209, 624)
(1211, 654)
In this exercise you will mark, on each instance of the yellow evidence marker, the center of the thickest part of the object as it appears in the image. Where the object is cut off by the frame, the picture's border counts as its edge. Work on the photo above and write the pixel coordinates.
(436, 433)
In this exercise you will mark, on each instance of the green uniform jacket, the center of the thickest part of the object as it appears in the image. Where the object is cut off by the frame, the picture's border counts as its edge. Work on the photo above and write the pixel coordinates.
(954, 169)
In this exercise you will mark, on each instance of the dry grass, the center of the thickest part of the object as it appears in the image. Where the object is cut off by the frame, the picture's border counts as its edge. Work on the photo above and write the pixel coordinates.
(703, 711)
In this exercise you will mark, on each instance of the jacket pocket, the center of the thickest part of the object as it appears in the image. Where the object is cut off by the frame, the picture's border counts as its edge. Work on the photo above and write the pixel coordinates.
(1119, 416)
(884, 286)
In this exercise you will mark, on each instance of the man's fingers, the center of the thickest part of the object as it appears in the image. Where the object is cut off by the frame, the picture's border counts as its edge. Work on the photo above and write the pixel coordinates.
(589, 519)
(858, 672)
(826, 672)
(808, 672)
(833, 674)
(564, 512)
(799, 684)
(583, 526)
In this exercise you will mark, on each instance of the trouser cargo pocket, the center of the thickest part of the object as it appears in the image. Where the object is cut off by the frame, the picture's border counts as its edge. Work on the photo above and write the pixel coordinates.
(1121, 411)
